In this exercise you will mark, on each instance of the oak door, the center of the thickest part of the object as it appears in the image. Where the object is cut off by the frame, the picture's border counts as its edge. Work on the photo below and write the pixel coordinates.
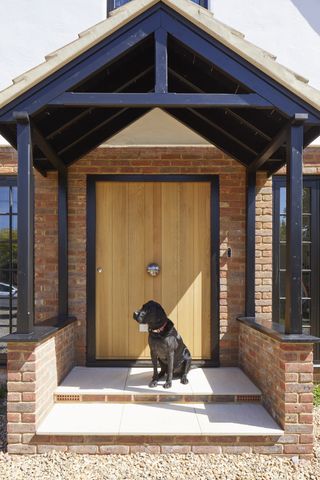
(138, 223)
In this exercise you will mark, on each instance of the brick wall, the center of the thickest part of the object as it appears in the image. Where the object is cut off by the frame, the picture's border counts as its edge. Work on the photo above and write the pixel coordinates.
(163, 161)
(284, 374)
(34, 371)
(263, 282)
(197, 160)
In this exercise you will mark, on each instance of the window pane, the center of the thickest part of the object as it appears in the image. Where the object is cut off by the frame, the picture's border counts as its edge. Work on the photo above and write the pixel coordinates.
(306, 311)
(306, 200)
(14, 226)
(283, 256)
(5, 256)
(306, 232)
(282, 200)
(282, 284)
(14, 197)
(119, 3)
(4, 200)
(282, 305)
(283, 227)
(306, 284)
(306, 256)
(306, 329)
(4, 227)
(14, 275)
(14, 256)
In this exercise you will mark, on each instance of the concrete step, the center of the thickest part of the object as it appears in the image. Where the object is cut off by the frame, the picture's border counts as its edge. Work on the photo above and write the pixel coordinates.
(126, 423)
(126, 385)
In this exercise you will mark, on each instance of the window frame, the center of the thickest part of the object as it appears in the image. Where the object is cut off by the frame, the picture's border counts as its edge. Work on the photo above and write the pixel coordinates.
(8, 181)
(111, 5)
(312, 182)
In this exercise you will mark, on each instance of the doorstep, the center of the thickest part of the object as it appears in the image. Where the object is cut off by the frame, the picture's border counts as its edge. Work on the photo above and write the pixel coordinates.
(103, 384)
(156, 420)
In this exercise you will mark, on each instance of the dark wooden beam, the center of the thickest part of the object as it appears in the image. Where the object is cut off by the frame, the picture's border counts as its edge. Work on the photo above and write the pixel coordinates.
(222, 130)
(92, 130)
(103, 133)
(25, 310)
(62, 243)
(293, 314)
(235, 115)
(47, 150)
(250, 244)
(165, 100)
(89, 111)
(161, 61)
(270, 149)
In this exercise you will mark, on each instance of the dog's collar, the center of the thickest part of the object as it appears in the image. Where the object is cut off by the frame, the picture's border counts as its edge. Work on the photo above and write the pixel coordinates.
(159, 330)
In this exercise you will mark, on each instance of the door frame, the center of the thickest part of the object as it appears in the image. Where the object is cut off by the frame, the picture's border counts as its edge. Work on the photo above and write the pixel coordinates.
(91, 264)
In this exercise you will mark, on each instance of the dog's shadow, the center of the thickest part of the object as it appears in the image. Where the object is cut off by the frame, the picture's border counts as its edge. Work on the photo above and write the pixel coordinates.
(138, 382)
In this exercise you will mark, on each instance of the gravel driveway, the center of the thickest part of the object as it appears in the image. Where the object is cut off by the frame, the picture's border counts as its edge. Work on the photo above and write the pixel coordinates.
(58, 466)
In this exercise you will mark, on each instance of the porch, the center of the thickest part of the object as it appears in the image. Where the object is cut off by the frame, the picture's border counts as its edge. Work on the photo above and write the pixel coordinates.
(244, 104)
(114, 406)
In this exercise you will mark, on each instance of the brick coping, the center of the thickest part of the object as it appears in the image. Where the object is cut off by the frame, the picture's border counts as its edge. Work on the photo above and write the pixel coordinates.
(276, 335)
(41, 332)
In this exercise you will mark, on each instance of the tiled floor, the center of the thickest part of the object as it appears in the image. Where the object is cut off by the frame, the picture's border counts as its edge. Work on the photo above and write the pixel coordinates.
(106, 381)
(164, 418)
(158, 419)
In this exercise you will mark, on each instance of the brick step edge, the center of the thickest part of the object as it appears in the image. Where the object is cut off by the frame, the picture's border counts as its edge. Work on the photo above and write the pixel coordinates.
(204, 444)
(161, 398)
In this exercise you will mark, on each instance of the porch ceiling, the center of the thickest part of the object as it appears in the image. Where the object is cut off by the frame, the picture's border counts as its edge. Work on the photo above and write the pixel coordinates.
(217, 92)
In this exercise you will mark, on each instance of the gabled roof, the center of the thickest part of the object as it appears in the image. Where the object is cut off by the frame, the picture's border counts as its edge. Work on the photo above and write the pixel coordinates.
(199, 16)
(168, 54)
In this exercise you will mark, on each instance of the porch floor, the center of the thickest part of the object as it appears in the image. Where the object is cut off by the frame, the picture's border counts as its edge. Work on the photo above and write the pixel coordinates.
(153, 419)
(118, 402)
(126, 381)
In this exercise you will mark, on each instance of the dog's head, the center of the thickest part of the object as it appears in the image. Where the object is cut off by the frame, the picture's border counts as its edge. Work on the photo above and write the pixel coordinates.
(151, 314)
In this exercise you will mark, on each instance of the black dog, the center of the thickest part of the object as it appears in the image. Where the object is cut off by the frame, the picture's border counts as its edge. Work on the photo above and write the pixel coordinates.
(166, 345)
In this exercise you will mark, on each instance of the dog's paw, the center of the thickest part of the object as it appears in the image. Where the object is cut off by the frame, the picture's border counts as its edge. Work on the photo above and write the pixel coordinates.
(167, 385)
(184, 380)
(153, 383)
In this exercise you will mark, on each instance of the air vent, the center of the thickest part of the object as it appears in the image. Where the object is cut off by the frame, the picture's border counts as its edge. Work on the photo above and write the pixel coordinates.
(67, 398)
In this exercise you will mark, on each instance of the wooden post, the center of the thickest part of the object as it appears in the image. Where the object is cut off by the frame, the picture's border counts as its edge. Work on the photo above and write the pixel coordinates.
(25, 313)
(161, 61)
(293, 314)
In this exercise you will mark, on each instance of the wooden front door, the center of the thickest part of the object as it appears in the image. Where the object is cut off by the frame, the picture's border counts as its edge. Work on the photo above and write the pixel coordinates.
(138, 223)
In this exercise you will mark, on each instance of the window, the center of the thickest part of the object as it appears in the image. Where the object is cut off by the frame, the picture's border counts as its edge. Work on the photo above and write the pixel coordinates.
(113, 4)
(310, 255)
(8, 257)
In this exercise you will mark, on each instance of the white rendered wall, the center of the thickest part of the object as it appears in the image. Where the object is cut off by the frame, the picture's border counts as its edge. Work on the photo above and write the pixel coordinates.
(29, 29)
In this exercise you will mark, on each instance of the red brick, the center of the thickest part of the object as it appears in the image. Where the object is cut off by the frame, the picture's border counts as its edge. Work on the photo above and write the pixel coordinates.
(50, 448)
(297, 449)
(114, 449)
(175, 449)
(145, 449)
(21, 449)
(89, 449)
(206, 449)
(236, 449)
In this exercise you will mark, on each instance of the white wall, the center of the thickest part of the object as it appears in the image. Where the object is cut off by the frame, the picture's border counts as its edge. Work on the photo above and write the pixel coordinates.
(289, 29)
(29, 29)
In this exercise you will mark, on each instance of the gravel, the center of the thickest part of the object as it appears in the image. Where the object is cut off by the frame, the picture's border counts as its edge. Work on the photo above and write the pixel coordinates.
(67, 466)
